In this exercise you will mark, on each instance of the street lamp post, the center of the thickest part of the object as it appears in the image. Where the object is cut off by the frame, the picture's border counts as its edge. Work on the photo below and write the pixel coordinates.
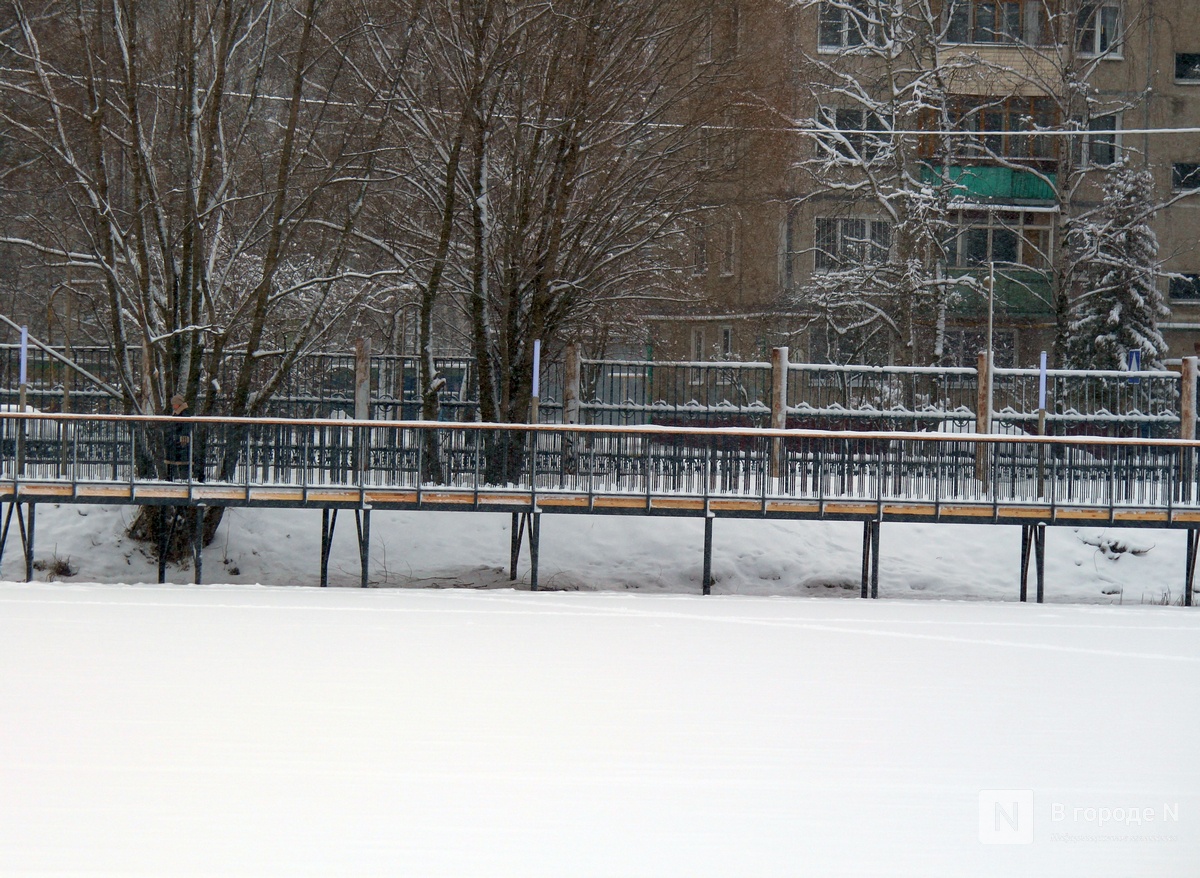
(991, 350)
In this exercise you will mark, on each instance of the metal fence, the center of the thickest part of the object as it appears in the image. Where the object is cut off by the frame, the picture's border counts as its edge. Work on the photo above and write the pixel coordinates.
(632, 392)
(643, 461)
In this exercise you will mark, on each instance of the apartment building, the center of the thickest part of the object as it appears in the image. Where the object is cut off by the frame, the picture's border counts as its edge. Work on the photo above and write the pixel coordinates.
(885, 171)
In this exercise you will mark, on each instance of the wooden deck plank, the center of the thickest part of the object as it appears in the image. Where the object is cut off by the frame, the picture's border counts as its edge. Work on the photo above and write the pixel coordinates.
(568, 502)
(46, 489)
(726, 505)
(398, 495)
(909, 509)
(161, 492)
(843, 508)
(614, 502)
(689, 504)
(106, 491)
(964, 511)
(1080, 513)
(793, 507)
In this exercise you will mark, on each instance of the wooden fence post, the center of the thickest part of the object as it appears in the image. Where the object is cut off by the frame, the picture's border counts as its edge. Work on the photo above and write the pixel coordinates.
(1187, 399)
(572, 377)
(983, 415)
(362, 400)
(779, 380)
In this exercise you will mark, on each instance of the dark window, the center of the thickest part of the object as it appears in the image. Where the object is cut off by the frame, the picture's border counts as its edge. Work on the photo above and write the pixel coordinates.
(1004, 127)
(1099, 28)
(845, 24)
(859, 133)
(845, 243)
(1186, 286)
(1006, 238)
(1102, 141)
(1185, 176)
(1187, 66)
(996, 21)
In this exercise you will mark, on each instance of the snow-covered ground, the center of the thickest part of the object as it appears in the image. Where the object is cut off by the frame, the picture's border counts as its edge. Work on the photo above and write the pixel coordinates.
(628, 553)
(181, 730)
(620, 726)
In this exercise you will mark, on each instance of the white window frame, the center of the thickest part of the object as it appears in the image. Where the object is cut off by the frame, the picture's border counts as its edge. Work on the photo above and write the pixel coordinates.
(849, 28)
(1029, 24)
(1189, 80)
(850, 139)
(1015, 220)
(1096, 25)
(844, 242)
(725, 341)
(1091, 140)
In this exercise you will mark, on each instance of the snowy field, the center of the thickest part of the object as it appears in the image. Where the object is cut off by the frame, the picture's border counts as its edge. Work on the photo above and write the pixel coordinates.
(172, 730)
(443, 723)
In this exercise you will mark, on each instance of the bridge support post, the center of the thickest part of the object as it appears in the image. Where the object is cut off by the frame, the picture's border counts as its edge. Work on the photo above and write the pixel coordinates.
(1033, 541)
(1026, 545)
(1193, 548)
(708, 531)
(27, 538)
(164, 539)
(4, 530)
(870, 558)
(516, 534)
(535, 538)
(878, 524)
(328, 523)
(362, 522)
(1039, 549)
(198, 545)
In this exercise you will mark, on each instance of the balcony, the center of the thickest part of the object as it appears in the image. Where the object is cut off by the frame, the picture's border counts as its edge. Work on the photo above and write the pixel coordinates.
(1021, 294)
(990, 184)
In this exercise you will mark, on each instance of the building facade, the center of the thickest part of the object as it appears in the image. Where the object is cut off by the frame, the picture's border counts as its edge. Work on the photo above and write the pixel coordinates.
(882, 172)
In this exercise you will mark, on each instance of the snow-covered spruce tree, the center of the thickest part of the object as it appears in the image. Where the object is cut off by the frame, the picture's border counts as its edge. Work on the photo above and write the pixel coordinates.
(1117, 304)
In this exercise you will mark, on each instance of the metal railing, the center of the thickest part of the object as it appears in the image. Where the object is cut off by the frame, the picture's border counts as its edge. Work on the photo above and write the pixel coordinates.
(728, 394)
(643, 461)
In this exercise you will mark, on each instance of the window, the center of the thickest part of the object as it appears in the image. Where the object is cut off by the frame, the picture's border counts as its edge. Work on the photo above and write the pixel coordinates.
(1185, 176)
(1012, 238)
(962, 347)
(1002, 127)
(726, 333)
(1186, 287)
(697, 344)
(1187, 67)
(843, 243)
(699, 246)
(1100, 143)
(846, 24)
(851, 134)
(733, 26)
(1099, 28)
(860, 345)
(997, 21)
(704, 52)
(789, 250)
(728, 239)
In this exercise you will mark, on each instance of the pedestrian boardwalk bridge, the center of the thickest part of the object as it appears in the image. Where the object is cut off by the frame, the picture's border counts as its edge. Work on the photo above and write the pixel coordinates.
(531, 470)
